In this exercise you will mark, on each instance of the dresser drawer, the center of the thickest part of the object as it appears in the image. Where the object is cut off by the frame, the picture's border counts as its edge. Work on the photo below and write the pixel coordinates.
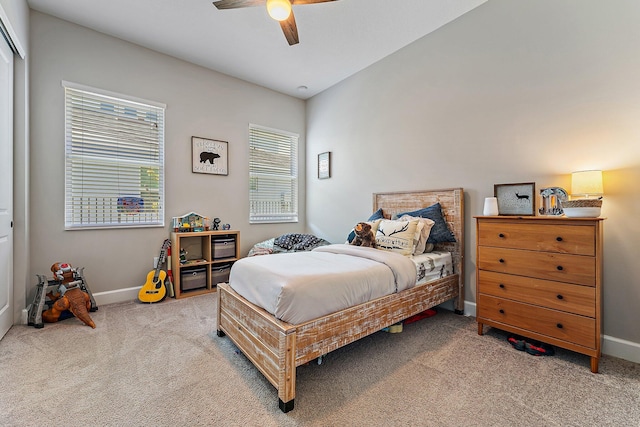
(564, 326)
(541, 265)
(569, 239)
(575, 299)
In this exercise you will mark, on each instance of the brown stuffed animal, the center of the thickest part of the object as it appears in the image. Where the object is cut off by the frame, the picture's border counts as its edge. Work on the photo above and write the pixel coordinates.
(364, 235)
(74, 299)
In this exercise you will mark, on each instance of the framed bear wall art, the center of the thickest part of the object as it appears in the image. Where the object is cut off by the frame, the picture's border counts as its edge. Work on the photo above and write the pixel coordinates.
(209, 156)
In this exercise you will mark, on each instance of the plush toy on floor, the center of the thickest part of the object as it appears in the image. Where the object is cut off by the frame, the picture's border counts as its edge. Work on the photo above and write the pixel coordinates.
(364, 235)
(69, 296)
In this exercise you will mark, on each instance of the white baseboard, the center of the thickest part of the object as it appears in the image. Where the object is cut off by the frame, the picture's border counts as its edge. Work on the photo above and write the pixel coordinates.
(113, 297)
(611, 346)
(623, 349)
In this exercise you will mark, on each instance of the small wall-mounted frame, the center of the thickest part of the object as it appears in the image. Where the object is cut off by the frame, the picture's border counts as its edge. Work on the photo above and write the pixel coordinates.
(209, 156)
(516, 199)
(324, 165)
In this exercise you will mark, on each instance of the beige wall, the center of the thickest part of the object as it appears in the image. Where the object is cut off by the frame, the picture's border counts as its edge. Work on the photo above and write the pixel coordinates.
(513, 91)
(199, 102)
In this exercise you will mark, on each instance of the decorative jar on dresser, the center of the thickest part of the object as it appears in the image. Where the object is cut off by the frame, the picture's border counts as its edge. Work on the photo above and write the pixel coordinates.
(541, 277)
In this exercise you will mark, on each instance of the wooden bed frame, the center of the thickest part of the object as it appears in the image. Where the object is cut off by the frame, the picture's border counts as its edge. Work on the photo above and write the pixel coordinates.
(276, 348)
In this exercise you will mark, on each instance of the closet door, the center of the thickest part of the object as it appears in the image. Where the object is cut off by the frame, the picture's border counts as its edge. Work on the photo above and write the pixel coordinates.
(6, 187)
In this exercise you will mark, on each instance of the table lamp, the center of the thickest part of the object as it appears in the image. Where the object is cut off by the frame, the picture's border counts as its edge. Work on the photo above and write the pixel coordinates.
(586, 195)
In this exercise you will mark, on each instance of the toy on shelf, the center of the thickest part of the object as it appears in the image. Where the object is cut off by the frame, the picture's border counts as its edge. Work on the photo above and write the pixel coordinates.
(68, 296)
(190, 222)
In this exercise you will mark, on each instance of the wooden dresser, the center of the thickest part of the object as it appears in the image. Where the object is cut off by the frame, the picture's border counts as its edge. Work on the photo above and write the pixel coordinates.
(541, 277)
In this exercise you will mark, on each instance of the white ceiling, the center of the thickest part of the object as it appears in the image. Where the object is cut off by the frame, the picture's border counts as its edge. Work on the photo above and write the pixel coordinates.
(337, 39)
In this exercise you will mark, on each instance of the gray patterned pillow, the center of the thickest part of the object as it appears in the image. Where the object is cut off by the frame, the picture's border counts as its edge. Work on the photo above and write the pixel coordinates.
(299, 242)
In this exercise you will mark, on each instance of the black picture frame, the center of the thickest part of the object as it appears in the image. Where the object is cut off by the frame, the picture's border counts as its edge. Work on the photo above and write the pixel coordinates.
(324, 165)
(210, 156)
(516, 199)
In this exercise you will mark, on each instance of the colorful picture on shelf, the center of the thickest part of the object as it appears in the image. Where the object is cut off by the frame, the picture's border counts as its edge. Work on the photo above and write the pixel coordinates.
(190, 222)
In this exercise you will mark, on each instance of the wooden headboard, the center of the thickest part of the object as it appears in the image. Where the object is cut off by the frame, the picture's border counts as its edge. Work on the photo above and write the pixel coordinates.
(452, 202)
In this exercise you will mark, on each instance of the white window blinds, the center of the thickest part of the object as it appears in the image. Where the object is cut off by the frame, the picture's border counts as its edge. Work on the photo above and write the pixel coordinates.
(114, 160)
(273, 175)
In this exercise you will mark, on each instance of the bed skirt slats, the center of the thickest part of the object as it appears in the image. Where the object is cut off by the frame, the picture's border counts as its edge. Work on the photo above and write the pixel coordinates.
(331, 332)
(259, 338)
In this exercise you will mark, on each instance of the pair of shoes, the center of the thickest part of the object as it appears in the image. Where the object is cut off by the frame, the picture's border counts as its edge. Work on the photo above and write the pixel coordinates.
(537, 348)
(517, 342)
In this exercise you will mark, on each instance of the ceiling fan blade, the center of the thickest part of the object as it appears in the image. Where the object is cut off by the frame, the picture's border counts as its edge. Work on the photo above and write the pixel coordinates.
(296, 2)
(234, 4)
(290, 29)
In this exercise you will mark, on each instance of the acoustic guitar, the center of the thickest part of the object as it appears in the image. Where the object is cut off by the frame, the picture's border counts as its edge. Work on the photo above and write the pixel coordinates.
(154, 289)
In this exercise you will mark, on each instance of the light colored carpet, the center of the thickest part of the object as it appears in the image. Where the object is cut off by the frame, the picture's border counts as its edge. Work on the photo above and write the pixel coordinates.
(162, 365)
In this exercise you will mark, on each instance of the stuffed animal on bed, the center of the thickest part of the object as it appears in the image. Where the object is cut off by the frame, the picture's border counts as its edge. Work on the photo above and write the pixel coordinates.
(70, 297)
(364, 235)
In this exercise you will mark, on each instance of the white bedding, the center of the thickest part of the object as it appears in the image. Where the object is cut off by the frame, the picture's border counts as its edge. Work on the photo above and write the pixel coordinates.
(297, 287)
(432, 266)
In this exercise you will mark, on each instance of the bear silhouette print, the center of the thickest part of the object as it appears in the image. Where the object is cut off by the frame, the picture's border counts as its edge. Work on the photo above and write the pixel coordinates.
(208, 156)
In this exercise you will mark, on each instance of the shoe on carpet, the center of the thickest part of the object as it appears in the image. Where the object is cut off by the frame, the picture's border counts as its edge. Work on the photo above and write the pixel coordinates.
(537, 348)
(517, 342)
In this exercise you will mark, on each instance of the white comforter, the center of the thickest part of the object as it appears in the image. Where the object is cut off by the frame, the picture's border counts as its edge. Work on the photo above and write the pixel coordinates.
(297, 287)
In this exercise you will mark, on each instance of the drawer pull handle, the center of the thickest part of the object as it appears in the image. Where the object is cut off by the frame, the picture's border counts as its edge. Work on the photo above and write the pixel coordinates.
(560, 268)
(501, 311)
(560, 297)
(501, 260)
(501, 236)
(501, 285)
(559, 325)
(559, 239)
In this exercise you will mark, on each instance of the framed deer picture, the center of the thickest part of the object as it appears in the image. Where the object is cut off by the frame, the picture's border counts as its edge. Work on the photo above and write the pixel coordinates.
(516, 199)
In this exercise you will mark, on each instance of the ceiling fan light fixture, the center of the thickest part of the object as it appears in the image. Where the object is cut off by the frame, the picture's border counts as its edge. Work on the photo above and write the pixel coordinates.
(279, 9)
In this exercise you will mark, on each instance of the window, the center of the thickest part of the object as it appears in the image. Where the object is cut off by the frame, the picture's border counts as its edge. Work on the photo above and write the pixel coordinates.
(114, 160)
(273, 175)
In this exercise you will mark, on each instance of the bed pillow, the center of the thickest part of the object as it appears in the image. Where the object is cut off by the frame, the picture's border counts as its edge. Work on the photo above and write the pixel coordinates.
(422, 233)
(440, 231)
(374, 216)
(396, 236)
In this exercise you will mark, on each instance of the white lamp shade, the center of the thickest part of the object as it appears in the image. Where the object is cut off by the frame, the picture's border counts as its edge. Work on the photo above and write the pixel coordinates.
(586, 183)
(279, 9)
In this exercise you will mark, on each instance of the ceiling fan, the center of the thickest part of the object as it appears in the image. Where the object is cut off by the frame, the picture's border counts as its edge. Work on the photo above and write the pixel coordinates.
(280, 10)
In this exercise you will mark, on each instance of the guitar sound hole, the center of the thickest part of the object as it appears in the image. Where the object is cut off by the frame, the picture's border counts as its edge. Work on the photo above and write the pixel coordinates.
(559, 325)
(501, 260)
(501, 311)
(560, 268)
(501, 285)
(559, 239)
(501, 235)
(560, 297)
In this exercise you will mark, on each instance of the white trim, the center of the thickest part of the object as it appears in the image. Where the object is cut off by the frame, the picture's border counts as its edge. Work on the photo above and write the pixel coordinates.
(623, 349)
(14, 42)
(470, 308)
(116, 95)
(117, 296)
(274, 130)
